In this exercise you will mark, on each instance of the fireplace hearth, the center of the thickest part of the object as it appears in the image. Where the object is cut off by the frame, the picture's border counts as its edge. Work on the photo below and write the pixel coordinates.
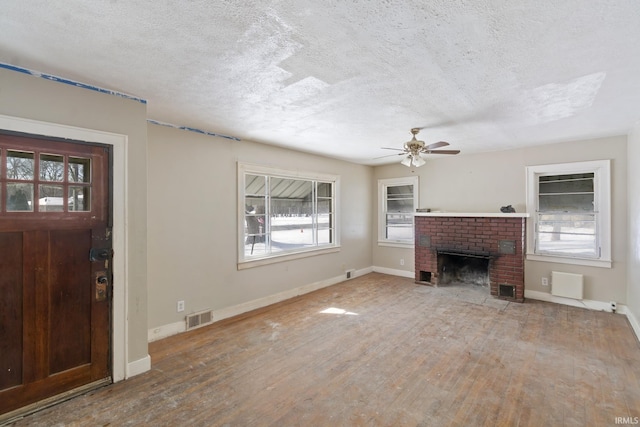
(479, 249)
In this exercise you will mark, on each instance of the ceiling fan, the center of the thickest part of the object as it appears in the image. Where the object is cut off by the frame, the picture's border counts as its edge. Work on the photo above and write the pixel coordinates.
(412, 150)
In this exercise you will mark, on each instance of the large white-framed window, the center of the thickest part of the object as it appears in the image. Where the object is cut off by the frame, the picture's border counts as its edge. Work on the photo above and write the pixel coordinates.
(570, 208)
(285, 214)
(398, 201)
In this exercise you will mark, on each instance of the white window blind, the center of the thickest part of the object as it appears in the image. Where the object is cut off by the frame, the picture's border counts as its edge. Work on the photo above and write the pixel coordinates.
(570, 207)
(567, 222)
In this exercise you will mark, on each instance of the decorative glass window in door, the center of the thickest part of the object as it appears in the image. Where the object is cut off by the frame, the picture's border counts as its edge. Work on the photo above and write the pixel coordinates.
(45, 182)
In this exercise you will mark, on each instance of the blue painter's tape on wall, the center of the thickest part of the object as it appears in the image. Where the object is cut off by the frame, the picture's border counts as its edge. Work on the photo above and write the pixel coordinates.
(190, 129)
(109, 92)
(70, 82)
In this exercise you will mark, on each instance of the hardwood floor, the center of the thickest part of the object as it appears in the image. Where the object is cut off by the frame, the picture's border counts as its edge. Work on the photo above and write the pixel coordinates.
(380, 350)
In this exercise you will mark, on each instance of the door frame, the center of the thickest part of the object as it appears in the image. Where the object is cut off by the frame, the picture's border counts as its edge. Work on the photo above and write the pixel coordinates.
(119, 143)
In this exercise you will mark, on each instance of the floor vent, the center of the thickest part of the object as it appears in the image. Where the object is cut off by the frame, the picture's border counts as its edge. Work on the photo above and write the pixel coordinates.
(507, 291)
(197, 320)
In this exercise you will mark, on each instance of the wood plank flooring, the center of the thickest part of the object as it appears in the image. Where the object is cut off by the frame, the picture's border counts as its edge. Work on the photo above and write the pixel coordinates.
(380, 350)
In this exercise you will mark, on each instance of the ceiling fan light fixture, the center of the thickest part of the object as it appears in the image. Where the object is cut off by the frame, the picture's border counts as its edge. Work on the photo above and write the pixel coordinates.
(412, 150)
(418, 161)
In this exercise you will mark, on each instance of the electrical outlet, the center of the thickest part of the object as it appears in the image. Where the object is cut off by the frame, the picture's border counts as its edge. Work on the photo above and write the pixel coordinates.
(545, 281)
(401, 261)
(180, 306)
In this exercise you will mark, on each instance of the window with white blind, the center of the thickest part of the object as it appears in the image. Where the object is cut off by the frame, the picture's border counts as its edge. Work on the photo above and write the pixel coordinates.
(570, 209)
(398, 200)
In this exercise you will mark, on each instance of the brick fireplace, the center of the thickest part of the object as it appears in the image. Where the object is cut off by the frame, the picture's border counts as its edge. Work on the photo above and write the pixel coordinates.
(499, 239)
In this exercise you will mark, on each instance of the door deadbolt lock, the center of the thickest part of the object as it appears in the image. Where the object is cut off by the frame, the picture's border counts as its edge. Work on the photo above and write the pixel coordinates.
(100, 254)
(102, 282)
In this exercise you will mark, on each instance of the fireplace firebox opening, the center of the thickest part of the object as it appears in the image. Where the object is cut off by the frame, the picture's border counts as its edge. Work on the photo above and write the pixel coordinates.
(463, 268)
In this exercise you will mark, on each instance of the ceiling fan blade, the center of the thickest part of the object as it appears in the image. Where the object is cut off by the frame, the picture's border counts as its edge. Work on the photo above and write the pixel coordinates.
(388, 148)
(443, 151)
(436, 145)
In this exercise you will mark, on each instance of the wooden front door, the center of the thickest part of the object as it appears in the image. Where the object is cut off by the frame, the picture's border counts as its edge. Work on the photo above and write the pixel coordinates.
(55, 269)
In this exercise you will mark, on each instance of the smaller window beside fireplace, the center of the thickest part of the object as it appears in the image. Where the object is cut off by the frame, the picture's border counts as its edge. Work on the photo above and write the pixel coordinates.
(398, 201)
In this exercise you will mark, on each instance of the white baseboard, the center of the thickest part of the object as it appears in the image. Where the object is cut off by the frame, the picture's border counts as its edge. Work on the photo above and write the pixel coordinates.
(584, 303)
(138, 367)
(165, 331)
(394, 272)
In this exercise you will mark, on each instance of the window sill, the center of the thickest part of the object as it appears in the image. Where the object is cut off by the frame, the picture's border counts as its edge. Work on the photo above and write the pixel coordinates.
(243, 265)
(567, 260)
(408, 245)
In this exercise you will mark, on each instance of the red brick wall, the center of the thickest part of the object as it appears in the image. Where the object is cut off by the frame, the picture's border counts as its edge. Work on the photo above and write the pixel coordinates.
(479, 235)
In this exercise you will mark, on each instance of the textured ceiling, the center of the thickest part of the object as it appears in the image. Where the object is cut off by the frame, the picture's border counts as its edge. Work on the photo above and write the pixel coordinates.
(344, 78)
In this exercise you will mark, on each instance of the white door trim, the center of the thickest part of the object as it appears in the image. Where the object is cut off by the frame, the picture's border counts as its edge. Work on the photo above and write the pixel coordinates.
(119, 344)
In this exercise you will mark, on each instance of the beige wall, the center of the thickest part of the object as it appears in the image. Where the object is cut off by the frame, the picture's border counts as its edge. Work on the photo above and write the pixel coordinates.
(30, 97)
(485, 182)
(193, 223)
(633, 291)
